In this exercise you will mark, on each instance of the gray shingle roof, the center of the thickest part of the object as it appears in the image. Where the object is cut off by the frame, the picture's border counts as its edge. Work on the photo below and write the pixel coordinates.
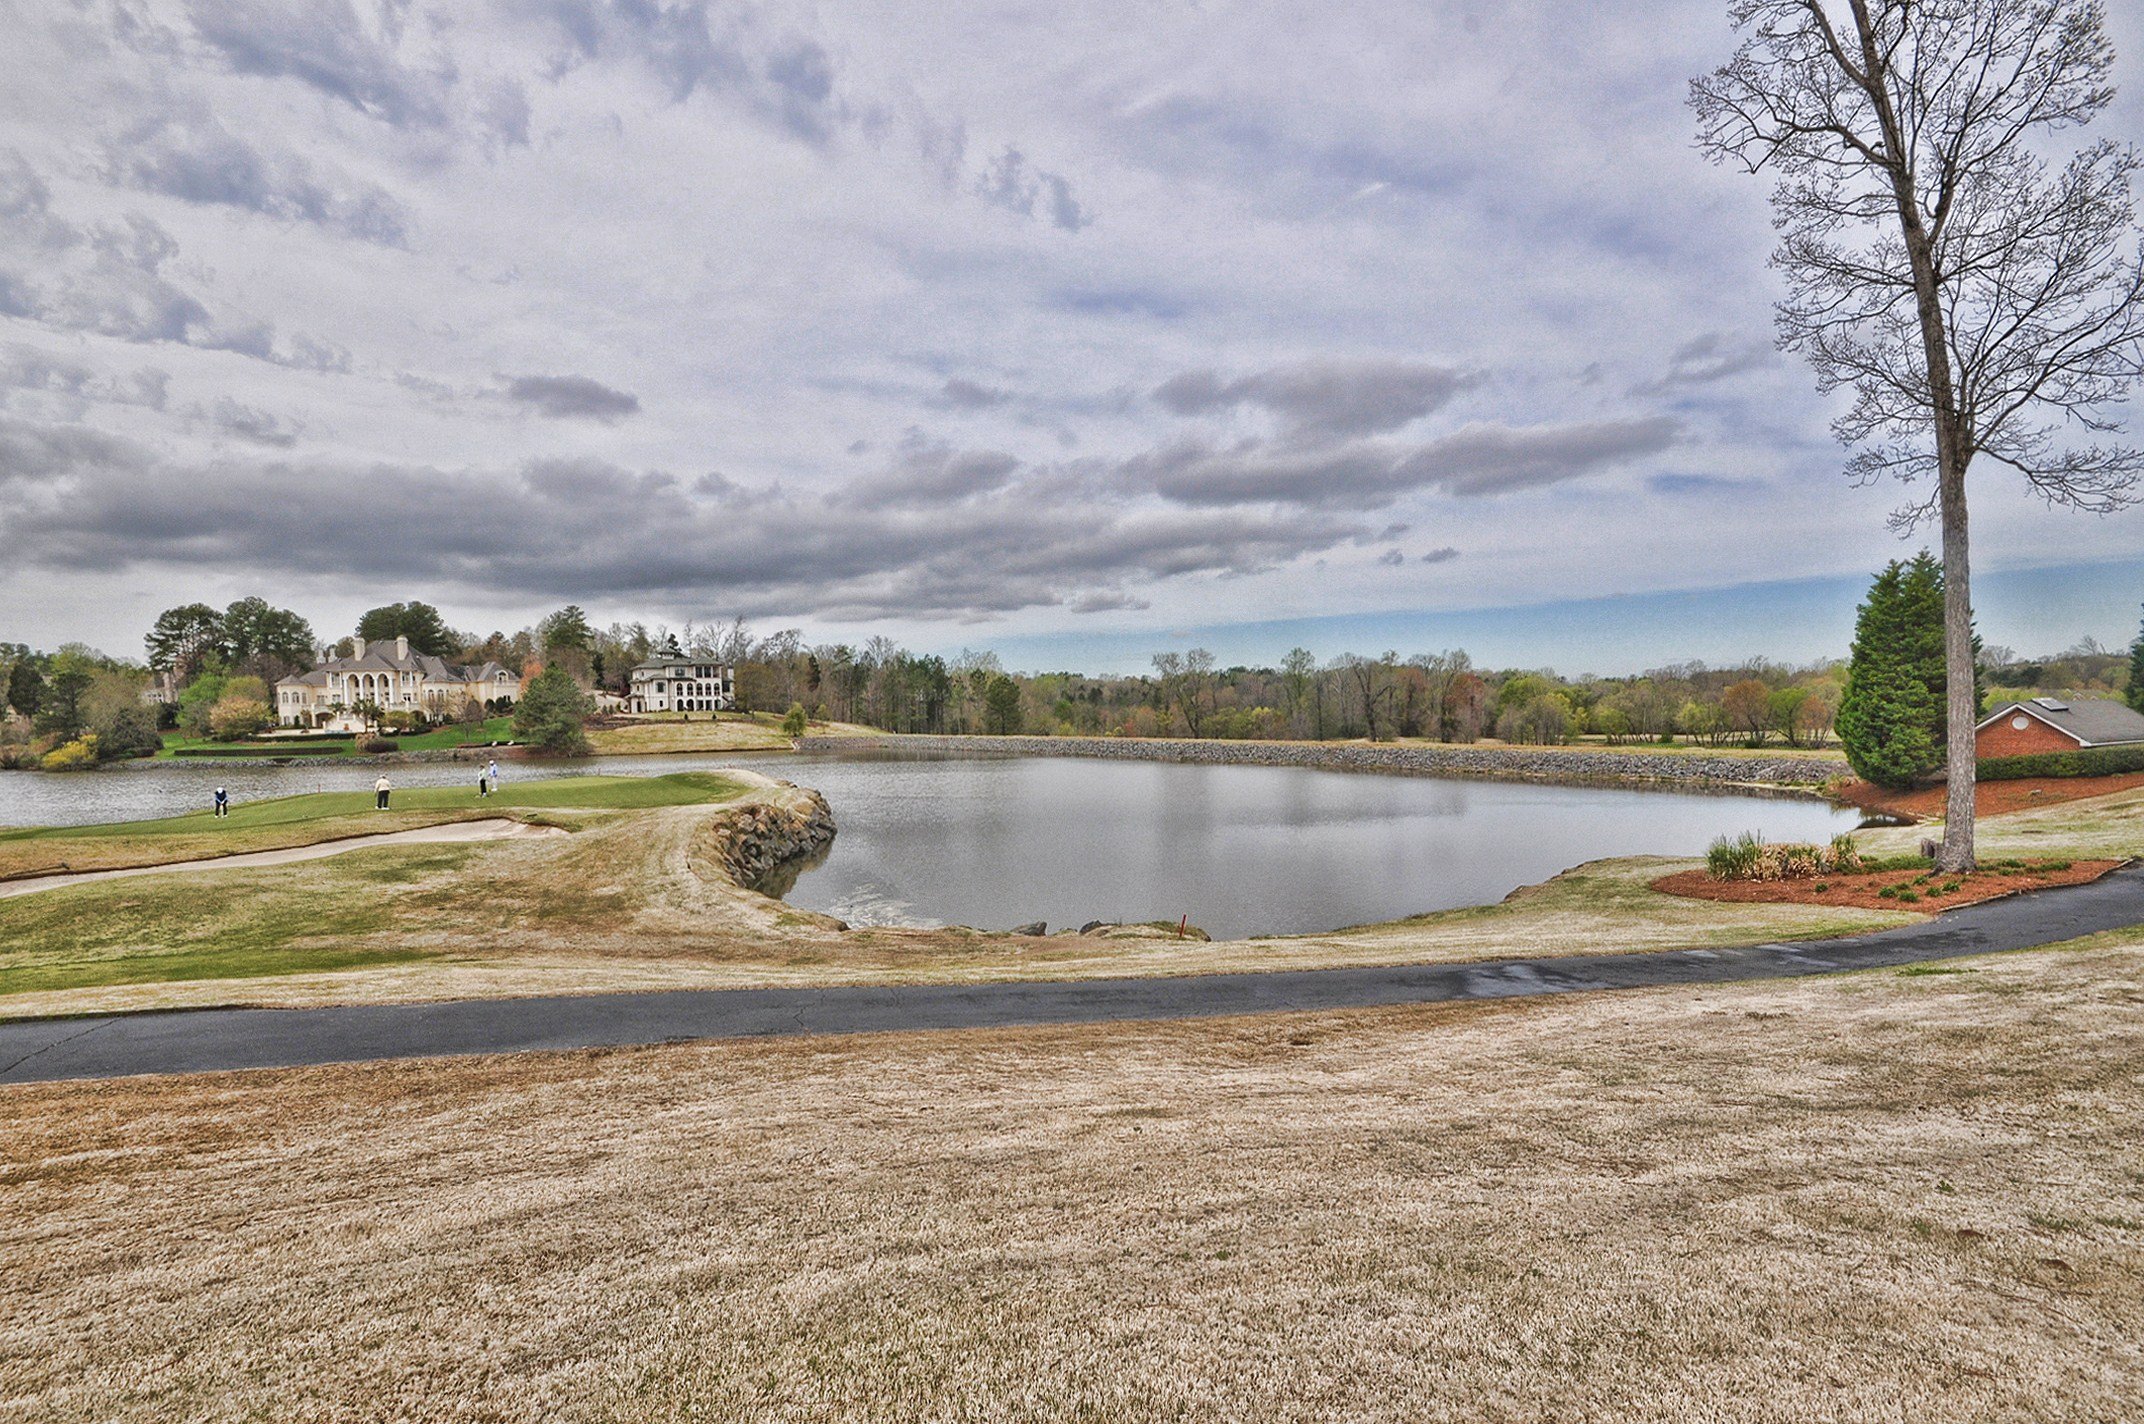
(2093, 721)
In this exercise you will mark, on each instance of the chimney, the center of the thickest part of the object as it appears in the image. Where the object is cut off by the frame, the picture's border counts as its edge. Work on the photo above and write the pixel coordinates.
(402, 649)
(357, 647)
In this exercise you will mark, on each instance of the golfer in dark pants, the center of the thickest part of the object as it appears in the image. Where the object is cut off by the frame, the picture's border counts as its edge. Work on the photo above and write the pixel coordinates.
(223, 802)
(380, 790)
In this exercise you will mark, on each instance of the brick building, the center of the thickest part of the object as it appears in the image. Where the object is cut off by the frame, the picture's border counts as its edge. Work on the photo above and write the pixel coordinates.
(2049, 724)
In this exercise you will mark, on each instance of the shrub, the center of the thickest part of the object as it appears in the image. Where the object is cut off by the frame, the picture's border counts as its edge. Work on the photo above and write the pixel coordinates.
(1735, 859)
(1799, 862)
(2086, 761)
(77, 755)
(1845, 854)
(1747, 857)
(129, 731)
(796, 723)
(376, 743)
(234, 717)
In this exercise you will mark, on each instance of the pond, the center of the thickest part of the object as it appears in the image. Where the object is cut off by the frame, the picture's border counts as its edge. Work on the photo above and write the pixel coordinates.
(1001, 841)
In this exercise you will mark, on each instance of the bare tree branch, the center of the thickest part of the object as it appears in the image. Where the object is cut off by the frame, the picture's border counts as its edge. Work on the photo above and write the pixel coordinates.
(1976, 299)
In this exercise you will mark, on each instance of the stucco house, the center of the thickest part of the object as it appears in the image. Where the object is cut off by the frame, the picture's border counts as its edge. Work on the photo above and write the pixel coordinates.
(392, 677)
(681, 684)
(2052, 724)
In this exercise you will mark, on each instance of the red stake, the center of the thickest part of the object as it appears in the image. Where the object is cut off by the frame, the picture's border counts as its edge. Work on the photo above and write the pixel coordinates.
(1183, 925)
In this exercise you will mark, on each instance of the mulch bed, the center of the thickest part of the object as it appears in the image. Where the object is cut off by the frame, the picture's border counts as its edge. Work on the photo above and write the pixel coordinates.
(1860, 891)
(1990, 798)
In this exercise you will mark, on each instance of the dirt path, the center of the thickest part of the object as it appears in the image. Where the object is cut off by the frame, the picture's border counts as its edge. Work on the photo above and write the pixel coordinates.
(489, 830)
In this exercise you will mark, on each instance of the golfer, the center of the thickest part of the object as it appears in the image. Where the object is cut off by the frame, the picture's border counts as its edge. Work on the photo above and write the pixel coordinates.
(223, 802)
(380, 790)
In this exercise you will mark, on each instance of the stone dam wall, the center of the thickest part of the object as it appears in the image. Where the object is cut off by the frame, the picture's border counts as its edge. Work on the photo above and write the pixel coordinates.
(1496, 763)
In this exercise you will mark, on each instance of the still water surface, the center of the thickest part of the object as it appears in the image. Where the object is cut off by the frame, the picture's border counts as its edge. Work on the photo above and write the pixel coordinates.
(999, 841)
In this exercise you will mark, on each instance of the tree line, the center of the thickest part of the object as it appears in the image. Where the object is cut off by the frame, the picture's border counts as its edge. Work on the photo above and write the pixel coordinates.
(213, 672)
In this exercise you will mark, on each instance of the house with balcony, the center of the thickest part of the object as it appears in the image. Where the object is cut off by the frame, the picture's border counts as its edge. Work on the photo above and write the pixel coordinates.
(681, 684)
(390, 677)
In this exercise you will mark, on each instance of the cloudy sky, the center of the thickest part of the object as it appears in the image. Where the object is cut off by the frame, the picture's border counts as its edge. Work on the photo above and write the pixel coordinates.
(1077, 330)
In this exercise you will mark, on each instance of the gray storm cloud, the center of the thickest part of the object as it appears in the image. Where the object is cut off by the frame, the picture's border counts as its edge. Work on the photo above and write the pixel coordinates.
(572, 398)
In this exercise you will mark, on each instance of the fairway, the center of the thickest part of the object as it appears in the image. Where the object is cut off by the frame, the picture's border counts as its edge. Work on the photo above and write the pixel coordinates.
(302, 820)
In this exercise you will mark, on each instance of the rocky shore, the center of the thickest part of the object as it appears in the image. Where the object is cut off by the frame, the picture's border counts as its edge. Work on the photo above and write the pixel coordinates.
(1495, 763)
(753, 839)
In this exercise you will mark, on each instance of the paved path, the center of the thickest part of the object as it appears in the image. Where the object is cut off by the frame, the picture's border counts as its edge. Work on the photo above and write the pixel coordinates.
(215, 1039)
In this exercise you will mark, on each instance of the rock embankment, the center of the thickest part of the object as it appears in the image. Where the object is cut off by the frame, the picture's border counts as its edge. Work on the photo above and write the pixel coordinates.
(1496, 763)
(752, 839)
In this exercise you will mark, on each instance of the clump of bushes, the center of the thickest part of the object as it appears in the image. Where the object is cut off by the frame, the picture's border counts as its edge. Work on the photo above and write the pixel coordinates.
(376, 743)
(2090, 761)
(1749, 857)
(77, 755)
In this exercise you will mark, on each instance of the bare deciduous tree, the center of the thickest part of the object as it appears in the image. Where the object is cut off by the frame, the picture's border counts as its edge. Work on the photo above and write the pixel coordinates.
(1976, 298)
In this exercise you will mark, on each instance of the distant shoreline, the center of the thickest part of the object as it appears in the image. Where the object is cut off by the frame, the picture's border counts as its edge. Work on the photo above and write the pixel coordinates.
(1806, 775)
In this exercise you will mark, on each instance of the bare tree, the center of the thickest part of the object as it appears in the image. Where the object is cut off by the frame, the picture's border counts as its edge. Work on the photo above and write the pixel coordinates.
(1976, 299)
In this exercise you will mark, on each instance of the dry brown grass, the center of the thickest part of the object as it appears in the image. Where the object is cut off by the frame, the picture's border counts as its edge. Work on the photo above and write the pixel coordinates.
(1886, 1198)
(634, 904)
(672, 734)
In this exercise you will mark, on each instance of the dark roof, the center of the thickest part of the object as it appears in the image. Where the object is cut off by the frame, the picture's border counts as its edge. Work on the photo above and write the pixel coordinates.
(681, 660)
(383, 659)
(2093, 721)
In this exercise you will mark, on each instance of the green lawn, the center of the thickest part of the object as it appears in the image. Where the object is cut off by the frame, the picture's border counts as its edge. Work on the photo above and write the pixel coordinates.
(242, 924)
(303, 820)
(385, 907)
(496, 729)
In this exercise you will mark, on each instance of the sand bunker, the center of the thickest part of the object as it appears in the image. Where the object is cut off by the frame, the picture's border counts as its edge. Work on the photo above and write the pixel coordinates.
(488, 830)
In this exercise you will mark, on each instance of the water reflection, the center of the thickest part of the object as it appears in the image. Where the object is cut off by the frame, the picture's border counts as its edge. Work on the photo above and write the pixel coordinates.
(1000, 841)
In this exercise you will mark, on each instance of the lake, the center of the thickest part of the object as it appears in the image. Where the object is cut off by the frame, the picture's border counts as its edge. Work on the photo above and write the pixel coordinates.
(1001, 841)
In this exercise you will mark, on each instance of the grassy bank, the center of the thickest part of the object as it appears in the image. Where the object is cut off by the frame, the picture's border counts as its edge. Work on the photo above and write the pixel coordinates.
(304, 820)
(477, 734)
(632, 902)
(1867, 1198)
(677, 734)
(384, 909)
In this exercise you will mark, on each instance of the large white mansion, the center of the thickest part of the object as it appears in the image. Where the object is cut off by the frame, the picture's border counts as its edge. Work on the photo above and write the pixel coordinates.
(392, 678)
(681, 685)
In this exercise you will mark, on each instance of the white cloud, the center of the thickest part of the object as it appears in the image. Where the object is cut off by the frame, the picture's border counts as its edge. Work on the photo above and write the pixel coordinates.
(1113, 315)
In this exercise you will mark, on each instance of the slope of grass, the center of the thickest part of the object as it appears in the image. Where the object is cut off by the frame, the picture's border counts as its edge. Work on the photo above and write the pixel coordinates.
(303, 820)
(1863, 1199)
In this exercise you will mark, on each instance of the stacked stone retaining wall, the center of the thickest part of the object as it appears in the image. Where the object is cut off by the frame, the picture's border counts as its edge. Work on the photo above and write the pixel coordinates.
(752, 839)
(1496, 763)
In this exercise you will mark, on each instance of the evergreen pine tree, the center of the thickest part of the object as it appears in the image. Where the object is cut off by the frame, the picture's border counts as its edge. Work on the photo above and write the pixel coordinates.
(2135, 695)
(550, 714)
(1891, 717)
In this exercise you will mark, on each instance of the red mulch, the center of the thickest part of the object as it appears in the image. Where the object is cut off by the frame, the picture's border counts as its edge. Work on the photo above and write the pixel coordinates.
(1990, 798)
(1860, 890)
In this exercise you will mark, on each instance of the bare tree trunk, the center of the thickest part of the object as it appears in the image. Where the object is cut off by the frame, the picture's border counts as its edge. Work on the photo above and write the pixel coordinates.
(1961, 705)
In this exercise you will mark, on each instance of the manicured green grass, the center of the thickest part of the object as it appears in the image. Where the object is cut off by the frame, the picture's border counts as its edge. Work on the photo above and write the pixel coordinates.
(495, 729)
(610, 793)
(244, 925)
(303, 820)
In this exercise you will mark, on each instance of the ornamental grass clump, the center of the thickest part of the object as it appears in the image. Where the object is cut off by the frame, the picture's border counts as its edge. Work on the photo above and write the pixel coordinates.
(1748, 857)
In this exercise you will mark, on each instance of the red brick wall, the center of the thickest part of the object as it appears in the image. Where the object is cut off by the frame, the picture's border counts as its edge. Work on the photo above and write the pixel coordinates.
(2001, 739)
